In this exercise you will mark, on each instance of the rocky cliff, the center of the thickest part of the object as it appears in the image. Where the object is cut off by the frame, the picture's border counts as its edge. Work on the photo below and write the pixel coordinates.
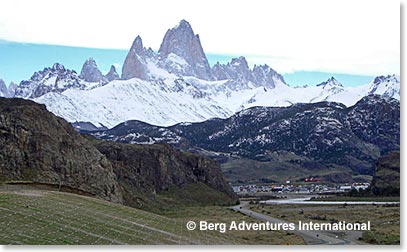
(91, 73)
(182, 52)
(145, 172)
(112, 74)
(37, 146)
(135, 65)
(386, 181)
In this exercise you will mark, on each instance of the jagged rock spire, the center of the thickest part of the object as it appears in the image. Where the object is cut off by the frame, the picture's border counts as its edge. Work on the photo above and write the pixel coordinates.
(90, 71)
(182, 42)
(112, 74)
(134, 65)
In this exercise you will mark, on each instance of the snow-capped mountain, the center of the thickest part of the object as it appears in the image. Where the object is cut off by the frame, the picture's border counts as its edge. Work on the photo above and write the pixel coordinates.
(160, 102)
(176, 84)
(388, 86)
(330, 90)
(326, 132)
(181, 52)
(3, 89)
(52, 79)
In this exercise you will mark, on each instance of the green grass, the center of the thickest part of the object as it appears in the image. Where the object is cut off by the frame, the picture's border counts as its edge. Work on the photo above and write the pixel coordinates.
(218, 214)
(45, 217)
(385, 220)
(381, 238)
(42, 217)
(197, 194)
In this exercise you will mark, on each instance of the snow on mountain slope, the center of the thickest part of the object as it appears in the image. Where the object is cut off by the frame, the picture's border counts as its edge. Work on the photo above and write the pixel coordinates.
(177, 85)
(160, 103)
(52, 79)
(284, 95)
(388, 86)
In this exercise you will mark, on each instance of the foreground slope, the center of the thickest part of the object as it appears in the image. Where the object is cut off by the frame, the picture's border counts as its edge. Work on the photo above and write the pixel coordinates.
(45, 217)
(39, 217)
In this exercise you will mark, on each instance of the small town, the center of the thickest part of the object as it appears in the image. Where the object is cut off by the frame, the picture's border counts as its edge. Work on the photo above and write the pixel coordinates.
(310, 188)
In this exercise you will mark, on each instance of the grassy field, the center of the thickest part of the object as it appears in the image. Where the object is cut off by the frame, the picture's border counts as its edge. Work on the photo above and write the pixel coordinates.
(385, 220)
(225, 215)
(47, 217)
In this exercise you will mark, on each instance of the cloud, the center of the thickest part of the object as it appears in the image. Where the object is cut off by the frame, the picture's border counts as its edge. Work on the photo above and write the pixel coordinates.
(338, 35)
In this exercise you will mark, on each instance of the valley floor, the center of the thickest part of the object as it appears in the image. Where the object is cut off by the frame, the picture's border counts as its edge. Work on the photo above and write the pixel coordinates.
(384, 218)
(31, 216)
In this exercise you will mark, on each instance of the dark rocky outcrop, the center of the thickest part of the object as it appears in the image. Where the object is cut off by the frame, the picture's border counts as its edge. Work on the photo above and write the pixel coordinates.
(386, 181)
(144, 172)
(38, 147)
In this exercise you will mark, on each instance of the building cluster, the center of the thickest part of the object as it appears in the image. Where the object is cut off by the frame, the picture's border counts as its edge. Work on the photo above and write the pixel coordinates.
(299, 188)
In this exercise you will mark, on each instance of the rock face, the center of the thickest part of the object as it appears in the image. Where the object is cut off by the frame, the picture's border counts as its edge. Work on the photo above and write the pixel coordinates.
(146, 171)
(40, 147)
(386, 181)
(52, 79)
(326, 132)
(12, 89)
(91, 73)
(183, 53)
(112, 74)
(3, 89)
(135, 63)
(239, 72)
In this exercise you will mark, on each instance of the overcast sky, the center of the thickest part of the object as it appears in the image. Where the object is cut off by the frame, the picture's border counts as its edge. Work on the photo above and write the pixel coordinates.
(354, 37)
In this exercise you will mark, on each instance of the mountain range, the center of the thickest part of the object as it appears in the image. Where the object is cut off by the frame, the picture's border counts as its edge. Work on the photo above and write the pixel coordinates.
(318, 135)
(176, 84)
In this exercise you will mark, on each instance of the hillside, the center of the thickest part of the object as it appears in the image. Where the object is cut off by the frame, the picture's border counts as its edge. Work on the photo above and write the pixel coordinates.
(319, 138)
(386, 181)
(40, 148)
(160, 177)
(41, 217)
